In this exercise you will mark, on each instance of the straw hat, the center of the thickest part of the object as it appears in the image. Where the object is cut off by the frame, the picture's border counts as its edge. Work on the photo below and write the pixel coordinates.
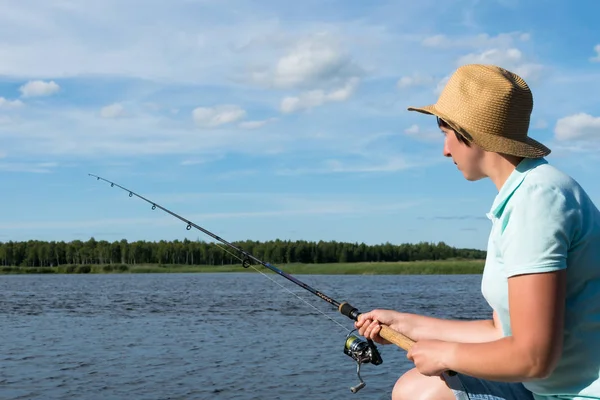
(491, 107)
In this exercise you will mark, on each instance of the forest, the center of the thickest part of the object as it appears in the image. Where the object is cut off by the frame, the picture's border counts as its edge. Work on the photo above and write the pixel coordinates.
(35, 253)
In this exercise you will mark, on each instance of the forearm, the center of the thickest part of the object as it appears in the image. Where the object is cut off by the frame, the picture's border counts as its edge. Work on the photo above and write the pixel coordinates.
(501, 360)
(420, 327)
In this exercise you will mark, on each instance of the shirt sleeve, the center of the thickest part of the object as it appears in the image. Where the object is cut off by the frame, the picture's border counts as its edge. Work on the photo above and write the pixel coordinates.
(538, 231)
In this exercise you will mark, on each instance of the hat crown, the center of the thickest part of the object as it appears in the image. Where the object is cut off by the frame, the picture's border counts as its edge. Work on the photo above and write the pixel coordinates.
(487, 98)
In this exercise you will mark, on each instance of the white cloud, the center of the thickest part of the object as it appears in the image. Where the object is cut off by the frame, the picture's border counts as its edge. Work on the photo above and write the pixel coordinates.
(528, 70)
(255, 124)
(192, 46)
(218, 115)
(39, 88)
(316, 60)
(80, 134)
(202, 160)
(36, 168)
(85, 135)
(475, 41)
(492, 56)
(416, 79)
(114, 110)
(412, 130)
(416, 132)
(193, 43)
(597, 57)
(309, 62)
(502, 49)
(511, 58)
(579, 126)
(5, 103)
(315, 98)
(577, 151)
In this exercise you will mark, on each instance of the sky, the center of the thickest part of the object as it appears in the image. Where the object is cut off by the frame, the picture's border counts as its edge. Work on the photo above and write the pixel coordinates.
(266, 120)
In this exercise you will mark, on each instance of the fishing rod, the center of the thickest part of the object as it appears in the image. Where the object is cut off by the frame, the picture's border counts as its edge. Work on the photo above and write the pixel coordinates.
(361, 351)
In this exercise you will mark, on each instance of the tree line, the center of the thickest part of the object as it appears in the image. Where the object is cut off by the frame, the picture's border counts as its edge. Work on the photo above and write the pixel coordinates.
(34, 253)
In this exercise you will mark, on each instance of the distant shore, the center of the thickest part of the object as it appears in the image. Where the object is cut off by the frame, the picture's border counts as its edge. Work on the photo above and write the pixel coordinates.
(438, 267)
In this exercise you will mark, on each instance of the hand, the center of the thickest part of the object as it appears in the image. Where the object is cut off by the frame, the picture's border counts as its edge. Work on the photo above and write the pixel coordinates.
(430, 356)
(369, 324)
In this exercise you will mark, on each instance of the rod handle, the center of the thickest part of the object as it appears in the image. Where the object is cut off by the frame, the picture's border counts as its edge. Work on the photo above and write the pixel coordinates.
(386, 332)
(396, 337)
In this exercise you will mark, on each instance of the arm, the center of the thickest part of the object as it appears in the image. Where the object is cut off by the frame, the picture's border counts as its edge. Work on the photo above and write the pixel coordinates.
(537, 312)
(419, 327)
(534, 247)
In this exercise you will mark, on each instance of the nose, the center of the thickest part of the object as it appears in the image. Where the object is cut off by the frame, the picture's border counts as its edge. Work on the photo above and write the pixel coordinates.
(446, 150)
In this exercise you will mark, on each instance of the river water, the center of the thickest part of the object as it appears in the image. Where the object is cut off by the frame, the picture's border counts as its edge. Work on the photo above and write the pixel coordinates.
(205, 336)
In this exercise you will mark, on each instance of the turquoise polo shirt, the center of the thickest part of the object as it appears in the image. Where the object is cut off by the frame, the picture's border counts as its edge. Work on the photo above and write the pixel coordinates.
(542, 220)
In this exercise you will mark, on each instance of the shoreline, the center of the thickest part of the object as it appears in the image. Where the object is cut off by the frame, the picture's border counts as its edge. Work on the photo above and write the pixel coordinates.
(438, 267)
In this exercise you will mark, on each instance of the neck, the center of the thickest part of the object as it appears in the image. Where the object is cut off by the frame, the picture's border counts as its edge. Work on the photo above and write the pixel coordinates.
(500, 166)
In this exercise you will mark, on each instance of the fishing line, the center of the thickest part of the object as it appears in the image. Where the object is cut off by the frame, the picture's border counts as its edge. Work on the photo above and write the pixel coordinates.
(359, 350)
(287, 289)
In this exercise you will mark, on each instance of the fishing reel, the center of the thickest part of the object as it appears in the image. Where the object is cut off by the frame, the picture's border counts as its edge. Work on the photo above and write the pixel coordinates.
(362, 352)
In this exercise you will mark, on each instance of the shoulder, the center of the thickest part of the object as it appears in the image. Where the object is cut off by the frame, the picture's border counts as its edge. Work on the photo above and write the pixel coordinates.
(550, 203)
(546, 200)
(546, 185)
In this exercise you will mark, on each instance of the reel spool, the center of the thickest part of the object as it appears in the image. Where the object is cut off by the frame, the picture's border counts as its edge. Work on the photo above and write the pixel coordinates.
(362, 352)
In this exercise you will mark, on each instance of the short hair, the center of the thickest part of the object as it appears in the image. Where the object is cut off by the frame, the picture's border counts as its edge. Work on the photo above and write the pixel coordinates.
(443, 124)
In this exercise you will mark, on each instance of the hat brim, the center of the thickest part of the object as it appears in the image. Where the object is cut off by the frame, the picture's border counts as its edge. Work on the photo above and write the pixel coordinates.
(430, 109)
(528, 148)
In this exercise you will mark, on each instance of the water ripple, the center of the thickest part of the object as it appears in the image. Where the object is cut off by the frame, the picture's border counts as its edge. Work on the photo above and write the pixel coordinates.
(202, 336)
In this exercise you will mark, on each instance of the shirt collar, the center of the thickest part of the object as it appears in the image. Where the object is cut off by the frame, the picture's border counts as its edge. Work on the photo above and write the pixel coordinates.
(512, 183)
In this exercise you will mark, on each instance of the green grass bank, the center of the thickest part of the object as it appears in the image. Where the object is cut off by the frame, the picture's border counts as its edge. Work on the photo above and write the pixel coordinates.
(366, 268)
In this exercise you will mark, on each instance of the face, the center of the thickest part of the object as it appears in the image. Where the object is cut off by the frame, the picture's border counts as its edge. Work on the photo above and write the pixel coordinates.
(468, 159)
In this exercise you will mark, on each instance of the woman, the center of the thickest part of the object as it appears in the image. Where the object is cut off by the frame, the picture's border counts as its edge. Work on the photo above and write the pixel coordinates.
(542, 271)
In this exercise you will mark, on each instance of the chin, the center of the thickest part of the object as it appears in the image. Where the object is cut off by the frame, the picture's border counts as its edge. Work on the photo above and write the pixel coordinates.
(472, 178)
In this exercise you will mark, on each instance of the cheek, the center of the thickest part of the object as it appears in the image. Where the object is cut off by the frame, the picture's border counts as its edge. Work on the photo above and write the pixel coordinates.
(475, 154)
(455, 149)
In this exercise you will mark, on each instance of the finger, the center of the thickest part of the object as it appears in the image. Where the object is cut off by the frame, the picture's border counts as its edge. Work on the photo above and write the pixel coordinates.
(375, 335)
(376, 330)
(364, 328)
(373, 330)
(366, 331)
